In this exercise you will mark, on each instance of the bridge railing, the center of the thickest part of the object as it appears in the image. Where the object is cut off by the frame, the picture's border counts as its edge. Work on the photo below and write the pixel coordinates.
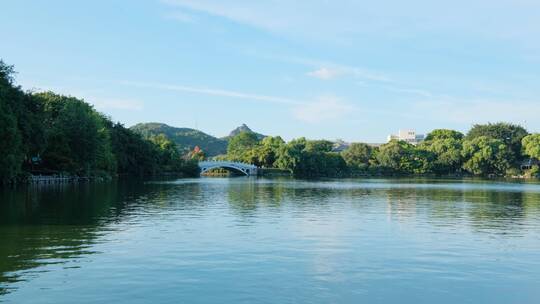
(217, 162)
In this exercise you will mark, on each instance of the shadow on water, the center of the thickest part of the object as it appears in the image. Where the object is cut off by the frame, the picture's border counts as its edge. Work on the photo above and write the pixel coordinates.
(53, 224)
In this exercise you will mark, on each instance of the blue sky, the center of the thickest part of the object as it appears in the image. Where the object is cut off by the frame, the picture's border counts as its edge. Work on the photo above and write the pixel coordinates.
(356, 70)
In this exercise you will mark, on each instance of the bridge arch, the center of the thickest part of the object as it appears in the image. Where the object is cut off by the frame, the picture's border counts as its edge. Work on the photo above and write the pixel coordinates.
(242, 168)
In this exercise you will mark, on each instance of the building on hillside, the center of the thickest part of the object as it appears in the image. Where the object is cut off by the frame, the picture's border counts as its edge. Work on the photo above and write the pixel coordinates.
(407, 135)
(528, 164)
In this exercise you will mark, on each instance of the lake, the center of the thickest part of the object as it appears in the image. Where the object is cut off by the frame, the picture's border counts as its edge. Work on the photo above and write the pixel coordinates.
(248, 240)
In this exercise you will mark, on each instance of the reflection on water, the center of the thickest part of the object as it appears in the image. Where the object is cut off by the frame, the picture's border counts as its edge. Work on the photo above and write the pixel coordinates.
(272, 240)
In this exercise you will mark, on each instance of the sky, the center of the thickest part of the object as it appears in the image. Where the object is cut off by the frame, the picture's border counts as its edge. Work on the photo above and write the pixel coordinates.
(351, 70)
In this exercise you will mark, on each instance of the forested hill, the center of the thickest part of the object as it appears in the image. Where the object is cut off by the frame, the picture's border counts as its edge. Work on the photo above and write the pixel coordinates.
(187, 139)
(184, 138)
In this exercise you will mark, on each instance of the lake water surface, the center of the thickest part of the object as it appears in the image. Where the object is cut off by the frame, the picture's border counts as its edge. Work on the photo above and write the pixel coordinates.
(247, 240)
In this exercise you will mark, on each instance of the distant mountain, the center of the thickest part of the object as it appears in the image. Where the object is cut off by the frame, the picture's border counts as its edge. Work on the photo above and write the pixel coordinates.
(185, 138)
(243, 128)
(340, 145)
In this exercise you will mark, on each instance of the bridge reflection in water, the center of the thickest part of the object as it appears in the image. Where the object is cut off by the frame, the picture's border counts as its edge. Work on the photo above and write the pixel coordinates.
(242, 168)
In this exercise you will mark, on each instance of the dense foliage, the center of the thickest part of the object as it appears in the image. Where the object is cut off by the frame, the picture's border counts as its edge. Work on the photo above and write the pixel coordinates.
(357, 156)
(444, 146)
(444, 152)
(47, 133)
(531, 145)
(509, 134)
(307, 158)
(484, 155)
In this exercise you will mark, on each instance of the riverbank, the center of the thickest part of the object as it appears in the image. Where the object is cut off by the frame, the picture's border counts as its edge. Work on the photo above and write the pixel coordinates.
(55, 179)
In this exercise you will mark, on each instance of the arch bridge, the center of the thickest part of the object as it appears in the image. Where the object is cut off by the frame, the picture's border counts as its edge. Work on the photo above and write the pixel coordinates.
(243, 168)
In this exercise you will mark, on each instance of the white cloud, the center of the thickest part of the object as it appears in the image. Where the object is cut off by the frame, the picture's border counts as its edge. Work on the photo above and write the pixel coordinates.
(332, 20)
(326, 73)
(215, 92)
(328, 69)
(326, 108)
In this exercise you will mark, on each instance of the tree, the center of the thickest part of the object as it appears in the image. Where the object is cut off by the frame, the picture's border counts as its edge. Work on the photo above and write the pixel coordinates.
(169, 159)
(10, 135)
(157, 154)
(402, 157)
(422, 161)
(445, 145)
(105, 158)
(531, 145)
(78, 140)
(135, 156)
(444, 134)
(71, 136)
(268, 151)
(11, 158)
(357, 156)
(484, 155)
(290, 155)
(509, 134)
(306, 158)
(240, 144)
(197, 154)
(319, 145)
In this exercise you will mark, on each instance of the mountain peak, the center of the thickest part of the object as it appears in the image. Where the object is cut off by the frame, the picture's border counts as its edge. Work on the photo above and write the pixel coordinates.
(244, 128)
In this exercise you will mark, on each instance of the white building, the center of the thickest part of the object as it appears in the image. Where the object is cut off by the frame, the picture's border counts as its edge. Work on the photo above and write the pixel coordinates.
(409, 136)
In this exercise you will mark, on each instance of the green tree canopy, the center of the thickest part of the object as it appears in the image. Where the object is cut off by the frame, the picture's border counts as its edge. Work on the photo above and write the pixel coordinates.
(267, 152)
(531, 145)
(12, 103)
(357, 156)
(510, 134)
(52, 133)
(77, 135)
(444, 134)
(306, 158)
(319, 145)
(484, 155)
(134, 155)
(11, 159)
(241, 144)
(445, 146)
(404, 158)
(290, 155)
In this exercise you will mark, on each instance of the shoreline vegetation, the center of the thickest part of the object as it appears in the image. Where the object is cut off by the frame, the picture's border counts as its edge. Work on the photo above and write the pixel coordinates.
(55, 137)
(46, 137)
(491, 150)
